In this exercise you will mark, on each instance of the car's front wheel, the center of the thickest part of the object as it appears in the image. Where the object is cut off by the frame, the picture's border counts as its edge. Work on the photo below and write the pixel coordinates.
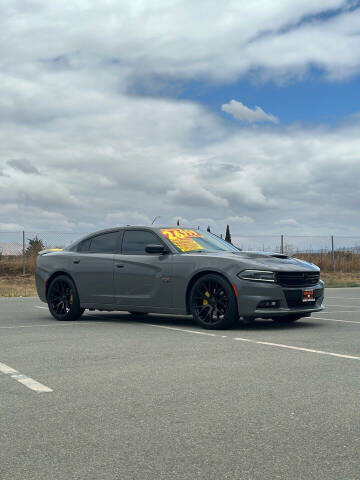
(63, 299)
(213, 303)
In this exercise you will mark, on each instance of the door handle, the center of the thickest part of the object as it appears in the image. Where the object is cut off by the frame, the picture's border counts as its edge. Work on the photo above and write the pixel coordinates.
(76, 261)
(119, 265)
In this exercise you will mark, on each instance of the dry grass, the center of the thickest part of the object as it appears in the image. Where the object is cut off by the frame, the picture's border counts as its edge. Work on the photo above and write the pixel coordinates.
(345, 262)
(12, 265)
(12, 283)
(341, 279)
(17, 286)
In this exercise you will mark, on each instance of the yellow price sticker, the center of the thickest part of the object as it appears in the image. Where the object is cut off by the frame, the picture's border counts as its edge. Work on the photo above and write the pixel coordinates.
(182, 238)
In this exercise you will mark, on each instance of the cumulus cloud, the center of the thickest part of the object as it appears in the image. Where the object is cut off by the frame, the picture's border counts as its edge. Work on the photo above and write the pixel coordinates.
(190, 192)
(23, 165)
(288, 222)
(182, 221)
(10, 227)
(109, 155)
(245, 174)
(181, 39)
(128, 217)
(241, 112)
(237, 219)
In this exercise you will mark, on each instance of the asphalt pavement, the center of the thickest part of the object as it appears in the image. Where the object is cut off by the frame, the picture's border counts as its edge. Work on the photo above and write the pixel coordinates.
(156, 397)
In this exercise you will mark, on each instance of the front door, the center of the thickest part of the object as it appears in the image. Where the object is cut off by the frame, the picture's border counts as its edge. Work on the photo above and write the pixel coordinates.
(142, 279)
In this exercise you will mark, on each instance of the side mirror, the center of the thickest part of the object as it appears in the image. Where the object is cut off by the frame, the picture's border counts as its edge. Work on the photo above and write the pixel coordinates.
(160, 249)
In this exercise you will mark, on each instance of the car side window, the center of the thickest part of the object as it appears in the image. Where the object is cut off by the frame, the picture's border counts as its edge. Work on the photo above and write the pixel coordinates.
(104, 243)
(84, 246)
(135, 241)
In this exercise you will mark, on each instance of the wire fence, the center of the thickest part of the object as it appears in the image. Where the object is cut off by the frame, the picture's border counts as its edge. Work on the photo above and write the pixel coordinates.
(330, 252)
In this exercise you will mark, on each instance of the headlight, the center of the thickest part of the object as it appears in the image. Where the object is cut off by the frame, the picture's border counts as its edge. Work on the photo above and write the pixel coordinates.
(257, 275)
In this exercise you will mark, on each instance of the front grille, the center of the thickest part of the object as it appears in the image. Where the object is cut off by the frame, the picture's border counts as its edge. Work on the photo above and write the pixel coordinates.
(294, 298)
(297, 279)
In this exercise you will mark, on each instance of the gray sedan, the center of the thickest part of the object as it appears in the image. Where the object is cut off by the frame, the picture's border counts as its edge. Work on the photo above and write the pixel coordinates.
(176, 271)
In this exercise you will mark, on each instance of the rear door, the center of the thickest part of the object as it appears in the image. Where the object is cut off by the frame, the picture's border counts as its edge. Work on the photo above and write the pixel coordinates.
(142, 279)
(93, 268)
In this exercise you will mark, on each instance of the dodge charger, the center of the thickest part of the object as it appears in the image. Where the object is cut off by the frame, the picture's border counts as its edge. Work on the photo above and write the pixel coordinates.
(176, 271)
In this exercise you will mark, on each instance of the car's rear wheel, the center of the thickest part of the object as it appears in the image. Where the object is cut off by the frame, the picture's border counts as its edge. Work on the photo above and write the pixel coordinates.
(287, 319)
(63, 299)
(213, 303)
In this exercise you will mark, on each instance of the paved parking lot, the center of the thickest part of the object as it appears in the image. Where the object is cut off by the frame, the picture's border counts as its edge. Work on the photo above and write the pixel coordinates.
(112, 397)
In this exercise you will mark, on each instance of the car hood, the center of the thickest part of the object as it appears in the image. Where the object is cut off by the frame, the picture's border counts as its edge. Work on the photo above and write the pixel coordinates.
(265, 260)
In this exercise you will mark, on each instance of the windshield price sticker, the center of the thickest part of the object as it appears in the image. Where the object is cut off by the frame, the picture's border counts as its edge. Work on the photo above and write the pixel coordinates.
(182, 238)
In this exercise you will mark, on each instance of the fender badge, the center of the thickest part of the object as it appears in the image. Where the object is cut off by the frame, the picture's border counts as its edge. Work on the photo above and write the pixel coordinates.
(165, 279)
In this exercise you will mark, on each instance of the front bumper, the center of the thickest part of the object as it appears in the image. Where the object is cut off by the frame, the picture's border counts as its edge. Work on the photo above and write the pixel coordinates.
(289, 300)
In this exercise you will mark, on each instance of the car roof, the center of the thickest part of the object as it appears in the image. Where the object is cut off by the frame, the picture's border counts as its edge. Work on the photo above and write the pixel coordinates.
(142, 227)
(127, 227)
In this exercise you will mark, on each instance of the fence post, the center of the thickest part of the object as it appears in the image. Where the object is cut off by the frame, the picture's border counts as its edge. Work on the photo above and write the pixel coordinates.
(23, 253)
(282, 244)
(332, 253)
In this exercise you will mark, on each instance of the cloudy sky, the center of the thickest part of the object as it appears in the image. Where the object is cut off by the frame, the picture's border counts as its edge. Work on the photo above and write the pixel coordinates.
(242, 112)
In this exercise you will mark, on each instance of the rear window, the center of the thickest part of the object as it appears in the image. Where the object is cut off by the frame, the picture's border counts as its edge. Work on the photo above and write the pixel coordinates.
(104, 243)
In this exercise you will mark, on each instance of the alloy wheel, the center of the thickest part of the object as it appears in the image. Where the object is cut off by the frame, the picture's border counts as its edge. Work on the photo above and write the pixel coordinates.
(210, 302)
(61, 297)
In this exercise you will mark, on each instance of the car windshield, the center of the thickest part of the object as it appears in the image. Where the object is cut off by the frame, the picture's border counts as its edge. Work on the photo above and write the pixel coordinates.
(187, 240)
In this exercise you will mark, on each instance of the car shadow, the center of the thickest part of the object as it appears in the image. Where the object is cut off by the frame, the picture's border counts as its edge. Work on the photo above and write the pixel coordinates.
(187, 321)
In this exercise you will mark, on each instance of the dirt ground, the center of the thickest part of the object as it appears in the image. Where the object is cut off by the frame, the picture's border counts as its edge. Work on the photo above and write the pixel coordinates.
(17, 286)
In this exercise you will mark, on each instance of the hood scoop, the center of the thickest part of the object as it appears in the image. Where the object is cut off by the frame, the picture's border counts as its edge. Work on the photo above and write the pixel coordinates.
(254, 254)
(279, 255)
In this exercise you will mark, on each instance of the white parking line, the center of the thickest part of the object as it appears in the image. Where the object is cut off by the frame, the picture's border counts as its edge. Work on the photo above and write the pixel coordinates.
(279, 345)
(346, 306)
(291, 347)
(347, 298)
(185, 330)
(338, 311)
(26, 381)
(38, 306)
(65, 324)
(335, 320)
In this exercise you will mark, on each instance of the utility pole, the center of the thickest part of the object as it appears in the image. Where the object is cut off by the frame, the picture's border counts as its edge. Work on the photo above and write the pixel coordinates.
(332, 253)
(23, 253)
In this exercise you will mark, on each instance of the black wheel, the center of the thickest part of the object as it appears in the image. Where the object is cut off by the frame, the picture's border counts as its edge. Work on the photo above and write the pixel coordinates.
(213, 303)
(287, 319)
(63, 299)
(138, 314)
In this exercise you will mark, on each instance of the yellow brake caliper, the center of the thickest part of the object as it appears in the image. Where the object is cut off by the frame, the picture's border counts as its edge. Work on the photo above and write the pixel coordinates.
(71, 298)
(207, 294)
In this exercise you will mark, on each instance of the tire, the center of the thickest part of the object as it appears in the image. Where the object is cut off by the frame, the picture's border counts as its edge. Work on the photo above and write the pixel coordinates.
(212, 302)
(287, 319)
(138, 314)
(63, 299)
